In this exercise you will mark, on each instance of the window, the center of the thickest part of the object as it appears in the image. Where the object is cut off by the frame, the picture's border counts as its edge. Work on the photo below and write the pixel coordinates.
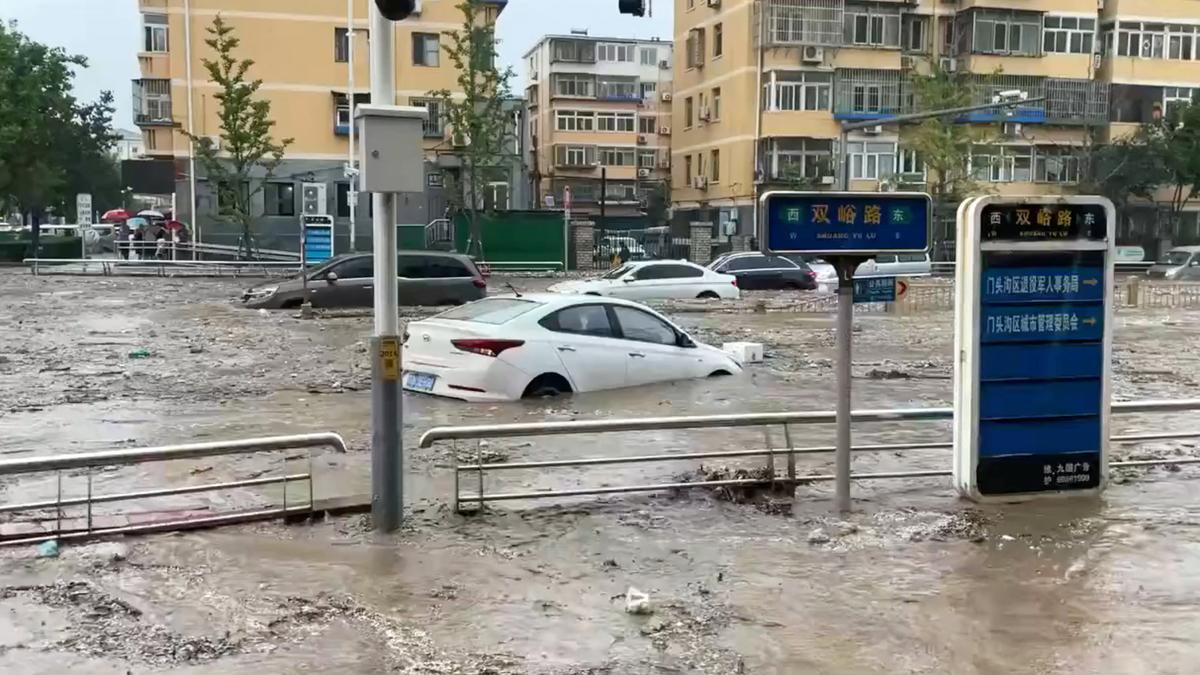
(869, 26)
(1156, 40)
(913, 33)
(1001, 32)
(1002, 163)
(574, 50)
(718, 40)
(343, 200)
(1068, 35)
(495, 196)
(649, 89)
(279, 199)
(714, 167)
(800, 158)
(866, 98)
(871, 160)
(426, 49)
(615, 122)
(622, 90)
(716, 104)
(1055, 165)
(434, 126)
(360, 267)
(495, 311)
(1175, 97)
(618, 156)
(688, 112)
(668, 272)
(575, 85)
(646, 159)
(646, 124)
(643, 327)
(226, 197)
(575, 155)
(443, 267)
(614, 52)
(649, 56)
(581, 320)
(687, 168)
(909, 162)
(574, 120)
(799, 91)
(620, 192)
(154, 31)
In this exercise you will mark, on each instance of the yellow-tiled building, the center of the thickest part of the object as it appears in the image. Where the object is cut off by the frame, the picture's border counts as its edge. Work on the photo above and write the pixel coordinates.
(301, 52)
(599, 112)
(764, 86)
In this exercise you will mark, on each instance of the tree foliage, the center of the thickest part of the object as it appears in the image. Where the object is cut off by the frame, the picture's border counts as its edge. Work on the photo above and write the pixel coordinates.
(247, 156)
(1174, 143)
(51, 145)
(476, 114)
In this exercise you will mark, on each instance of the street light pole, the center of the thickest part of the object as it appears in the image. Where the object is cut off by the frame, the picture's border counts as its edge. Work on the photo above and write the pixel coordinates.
(843, 161)
(387, 466)
(351, 194)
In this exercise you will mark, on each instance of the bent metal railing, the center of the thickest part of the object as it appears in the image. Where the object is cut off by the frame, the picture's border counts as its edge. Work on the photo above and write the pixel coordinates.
(88, 464)
(765, 420)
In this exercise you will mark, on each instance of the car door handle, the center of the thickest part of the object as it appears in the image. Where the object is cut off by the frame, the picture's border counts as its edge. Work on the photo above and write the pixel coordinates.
(566, 349)
(637, 355)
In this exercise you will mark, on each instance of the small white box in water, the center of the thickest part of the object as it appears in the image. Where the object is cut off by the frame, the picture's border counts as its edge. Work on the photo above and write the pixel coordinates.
(744, 352)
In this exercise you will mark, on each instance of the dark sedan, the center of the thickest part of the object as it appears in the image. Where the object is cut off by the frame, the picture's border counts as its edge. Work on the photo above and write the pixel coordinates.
(759, 272)
(425, 278)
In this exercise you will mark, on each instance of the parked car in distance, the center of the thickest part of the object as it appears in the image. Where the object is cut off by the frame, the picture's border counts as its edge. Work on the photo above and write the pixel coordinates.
(424, 278)
(608, 247)
(504, 348)
(1179, 263)
(884, 265)
(656, 280)
(758, 271)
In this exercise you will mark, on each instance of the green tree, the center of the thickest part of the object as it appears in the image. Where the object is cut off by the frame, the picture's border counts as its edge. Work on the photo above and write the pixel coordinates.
(247, 156)
(1122, 169)
(476, 114)
(1174, 142)
(51, 146)
(658, 203)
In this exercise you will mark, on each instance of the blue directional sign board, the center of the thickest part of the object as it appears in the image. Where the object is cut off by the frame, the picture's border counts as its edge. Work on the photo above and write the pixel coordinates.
(875, 289)
(848, 223)
(1034, 308)
(318, 238)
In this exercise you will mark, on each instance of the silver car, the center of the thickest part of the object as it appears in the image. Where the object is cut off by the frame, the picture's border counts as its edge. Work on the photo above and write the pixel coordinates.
(1181, 263)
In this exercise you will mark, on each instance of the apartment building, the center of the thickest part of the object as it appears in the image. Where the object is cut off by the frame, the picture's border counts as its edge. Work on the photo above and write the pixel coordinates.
(599, 116)
(302, 56)
(799, 69)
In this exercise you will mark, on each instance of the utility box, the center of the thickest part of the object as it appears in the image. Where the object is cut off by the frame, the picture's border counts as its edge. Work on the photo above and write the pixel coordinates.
(391, 156)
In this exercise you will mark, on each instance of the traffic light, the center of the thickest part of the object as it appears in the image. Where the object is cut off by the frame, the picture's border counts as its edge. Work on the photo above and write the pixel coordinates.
(396, 10)
(634, 7)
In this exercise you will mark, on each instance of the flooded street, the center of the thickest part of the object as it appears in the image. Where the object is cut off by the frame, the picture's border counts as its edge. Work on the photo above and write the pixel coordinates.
(914, 581)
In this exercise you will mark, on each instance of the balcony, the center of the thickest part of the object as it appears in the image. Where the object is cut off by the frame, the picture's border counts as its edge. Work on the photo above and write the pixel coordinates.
(802, 23)
(152, 103)
(572, 51)
(861, 94)
(621, 90)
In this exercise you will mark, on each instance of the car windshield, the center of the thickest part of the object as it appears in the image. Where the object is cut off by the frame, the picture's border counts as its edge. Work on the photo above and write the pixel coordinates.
(618, 272)
(1175, 258)
(491, 310)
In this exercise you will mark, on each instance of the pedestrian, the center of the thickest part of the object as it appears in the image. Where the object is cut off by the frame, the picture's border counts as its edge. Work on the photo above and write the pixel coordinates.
(624, 255)
(122, 239)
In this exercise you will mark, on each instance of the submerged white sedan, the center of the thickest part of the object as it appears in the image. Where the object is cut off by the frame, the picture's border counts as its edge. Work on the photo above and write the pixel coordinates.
(656, 280)
(505, 348)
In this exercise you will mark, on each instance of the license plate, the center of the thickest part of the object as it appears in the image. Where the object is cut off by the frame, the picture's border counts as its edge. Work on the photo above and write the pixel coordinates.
(419, 381)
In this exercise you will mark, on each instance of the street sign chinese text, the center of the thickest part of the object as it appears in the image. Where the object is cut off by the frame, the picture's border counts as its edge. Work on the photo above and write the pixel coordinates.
(845, 222)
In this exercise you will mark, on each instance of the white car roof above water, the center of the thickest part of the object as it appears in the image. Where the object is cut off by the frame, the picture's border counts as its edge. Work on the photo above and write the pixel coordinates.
(558, 300)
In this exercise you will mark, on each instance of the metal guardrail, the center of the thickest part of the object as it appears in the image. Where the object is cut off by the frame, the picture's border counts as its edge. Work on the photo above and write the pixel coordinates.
(764, 420)
(162, 268)
(90, 462)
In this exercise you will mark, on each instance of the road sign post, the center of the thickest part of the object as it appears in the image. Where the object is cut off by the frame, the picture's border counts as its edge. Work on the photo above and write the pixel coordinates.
(1033, 339)
(845, 228)
(83, 218)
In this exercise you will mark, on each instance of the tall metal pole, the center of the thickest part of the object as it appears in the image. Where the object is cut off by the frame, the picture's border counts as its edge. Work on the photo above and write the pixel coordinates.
(845, 318)
(352, 193)
(387, 465)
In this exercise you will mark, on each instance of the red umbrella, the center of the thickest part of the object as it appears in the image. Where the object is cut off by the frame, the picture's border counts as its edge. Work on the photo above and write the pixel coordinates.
(115, 214)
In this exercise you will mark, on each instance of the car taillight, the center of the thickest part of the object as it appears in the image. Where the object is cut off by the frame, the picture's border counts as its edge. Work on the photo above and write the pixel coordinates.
(486, 347)
(734, 282)
(812, 276)
(479, 283)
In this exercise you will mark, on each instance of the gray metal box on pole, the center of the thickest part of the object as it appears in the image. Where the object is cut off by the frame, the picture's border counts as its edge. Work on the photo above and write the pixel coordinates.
(391, 151)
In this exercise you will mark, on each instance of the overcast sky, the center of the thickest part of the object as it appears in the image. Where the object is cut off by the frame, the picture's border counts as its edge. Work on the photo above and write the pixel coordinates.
(108, 33)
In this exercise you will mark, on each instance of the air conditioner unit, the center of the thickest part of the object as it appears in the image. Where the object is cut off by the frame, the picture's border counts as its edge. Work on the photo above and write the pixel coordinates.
(948, 64)
(907, 63)
(312, 198)
(643, 173)
(665, 131)
(700, 182)
(642, 140)
(666, 97)
(873, 131)
(811, 54)
(664, 65)
(714, 3)
(828, 180)
(913, 178)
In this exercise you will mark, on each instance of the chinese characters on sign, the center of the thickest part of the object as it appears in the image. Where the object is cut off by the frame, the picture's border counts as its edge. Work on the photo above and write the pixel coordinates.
(832, 223)
(875, 289)
(1034, 284)
(1015, 222)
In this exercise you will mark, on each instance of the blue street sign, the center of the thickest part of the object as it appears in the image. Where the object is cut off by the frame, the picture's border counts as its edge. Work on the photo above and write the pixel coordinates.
(318, 238)
(845, 222)
(1034, 309)
(875, 289)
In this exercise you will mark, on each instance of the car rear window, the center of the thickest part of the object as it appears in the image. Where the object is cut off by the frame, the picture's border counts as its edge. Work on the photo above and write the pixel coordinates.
(491, 310)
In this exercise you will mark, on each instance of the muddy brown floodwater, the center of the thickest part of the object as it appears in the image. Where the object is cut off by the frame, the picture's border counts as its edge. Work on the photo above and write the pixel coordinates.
(913, 581)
